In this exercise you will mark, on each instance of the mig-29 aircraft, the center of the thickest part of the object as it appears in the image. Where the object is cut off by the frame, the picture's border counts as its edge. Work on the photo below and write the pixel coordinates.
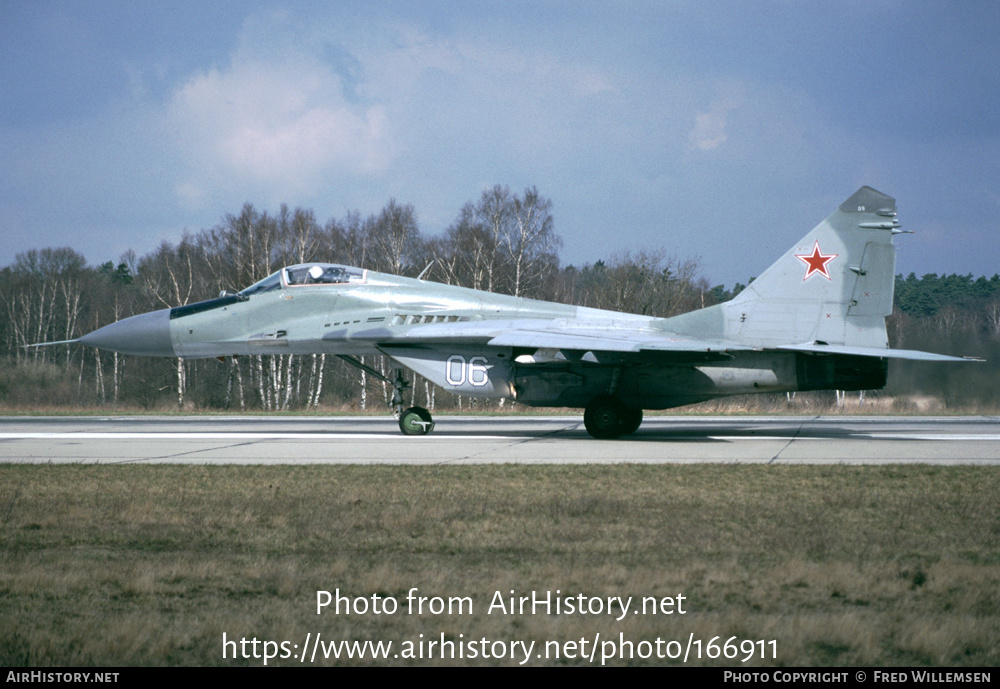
(814, 320)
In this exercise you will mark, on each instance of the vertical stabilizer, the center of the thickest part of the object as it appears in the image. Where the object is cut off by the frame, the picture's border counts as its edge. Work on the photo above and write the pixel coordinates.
(834, 286)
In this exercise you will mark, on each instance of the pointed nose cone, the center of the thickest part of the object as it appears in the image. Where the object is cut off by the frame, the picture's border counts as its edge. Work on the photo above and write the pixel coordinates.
(147, 334)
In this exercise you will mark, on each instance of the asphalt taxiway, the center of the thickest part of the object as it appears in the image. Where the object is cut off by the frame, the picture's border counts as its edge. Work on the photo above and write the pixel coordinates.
(498, 439)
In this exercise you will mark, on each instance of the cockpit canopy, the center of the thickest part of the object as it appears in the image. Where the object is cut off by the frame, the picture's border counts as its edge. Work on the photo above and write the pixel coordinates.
(307, 274)
(322, 274)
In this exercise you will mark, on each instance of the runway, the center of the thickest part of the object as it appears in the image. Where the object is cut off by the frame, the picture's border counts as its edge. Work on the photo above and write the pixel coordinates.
(498, 439)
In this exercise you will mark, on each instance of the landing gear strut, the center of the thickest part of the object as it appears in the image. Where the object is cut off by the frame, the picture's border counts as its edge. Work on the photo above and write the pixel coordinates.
(413, 421)
(606, 418)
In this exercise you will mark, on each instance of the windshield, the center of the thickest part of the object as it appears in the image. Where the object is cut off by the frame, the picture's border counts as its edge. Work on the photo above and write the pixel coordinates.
(271, 282)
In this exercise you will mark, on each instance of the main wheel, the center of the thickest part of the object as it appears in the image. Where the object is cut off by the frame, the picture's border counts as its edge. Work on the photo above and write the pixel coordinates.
(603, 417)
(630, 421)
(416, 421)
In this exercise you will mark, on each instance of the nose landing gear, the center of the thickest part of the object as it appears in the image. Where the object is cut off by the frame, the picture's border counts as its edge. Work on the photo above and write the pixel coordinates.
(412, 421)
(416, 421)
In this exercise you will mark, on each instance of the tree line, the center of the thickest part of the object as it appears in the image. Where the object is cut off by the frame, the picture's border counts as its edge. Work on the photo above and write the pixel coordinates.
(503, 242)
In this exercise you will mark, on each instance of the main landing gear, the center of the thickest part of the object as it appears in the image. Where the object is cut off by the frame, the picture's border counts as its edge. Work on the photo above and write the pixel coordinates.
(606, 418)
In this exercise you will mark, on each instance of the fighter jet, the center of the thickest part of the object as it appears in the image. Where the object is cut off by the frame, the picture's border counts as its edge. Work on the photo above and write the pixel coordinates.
(814, 320)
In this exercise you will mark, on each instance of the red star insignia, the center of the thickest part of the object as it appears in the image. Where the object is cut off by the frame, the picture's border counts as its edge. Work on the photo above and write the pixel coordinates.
(816, 261)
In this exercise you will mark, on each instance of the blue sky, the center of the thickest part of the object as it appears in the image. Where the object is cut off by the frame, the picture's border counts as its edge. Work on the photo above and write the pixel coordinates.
(717, 130)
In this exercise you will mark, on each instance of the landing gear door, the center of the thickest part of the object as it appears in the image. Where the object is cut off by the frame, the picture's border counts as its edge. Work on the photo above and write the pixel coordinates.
(464, 371)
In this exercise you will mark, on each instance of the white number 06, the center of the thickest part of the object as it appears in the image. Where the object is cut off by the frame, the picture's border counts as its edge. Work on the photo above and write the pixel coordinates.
(457, 370)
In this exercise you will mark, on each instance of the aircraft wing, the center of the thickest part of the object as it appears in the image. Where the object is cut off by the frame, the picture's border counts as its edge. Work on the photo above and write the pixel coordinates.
(911, 354)
(607, 340)
(623, 337)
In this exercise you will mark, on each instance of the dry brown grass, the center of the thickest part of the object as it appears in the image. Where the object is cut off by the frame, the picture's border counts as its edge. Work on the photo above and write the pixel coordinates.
(120, 565)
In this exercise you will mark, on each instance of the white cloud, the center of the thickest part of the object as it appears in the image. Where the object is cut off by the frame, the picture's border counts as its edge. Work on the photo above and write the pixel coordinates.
(283, 125)
(477, 70)
(709, 131)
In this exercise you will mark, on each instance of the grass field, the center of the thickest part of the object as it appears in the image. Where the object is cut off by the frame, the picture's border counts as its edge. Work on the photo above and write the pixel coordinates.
(151, 565)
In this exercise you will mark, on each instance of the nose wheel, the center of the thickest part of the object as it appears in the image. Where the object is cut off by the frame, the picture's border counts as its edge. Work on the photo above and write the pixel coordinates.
(416, 421)
(412, 421)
